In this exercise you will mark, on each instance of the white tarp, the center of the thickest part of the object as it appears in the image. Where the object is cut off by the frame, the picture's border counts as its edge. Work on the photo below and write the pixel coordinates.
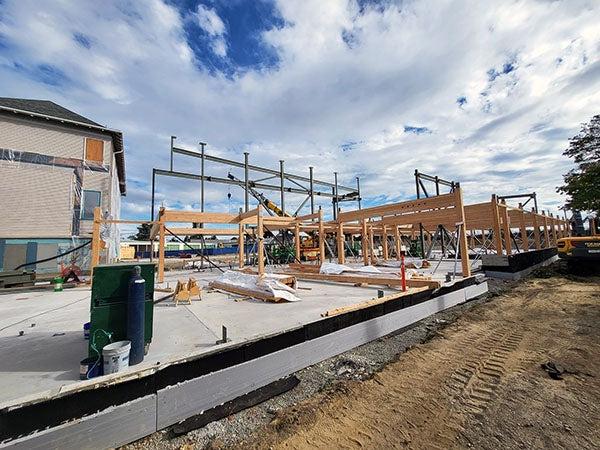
(336, 269)
(267, 284)
(417, 262)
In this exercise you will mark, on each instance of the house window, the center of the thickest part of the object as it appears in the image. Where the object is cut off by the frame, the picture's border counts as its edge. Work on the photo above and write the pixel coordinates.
(94, 150)
(89, 200)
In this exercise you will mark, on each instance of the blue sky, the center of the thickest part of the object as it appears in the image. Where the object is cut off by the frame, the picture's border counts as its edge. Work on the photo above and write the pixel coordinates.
(485, 93)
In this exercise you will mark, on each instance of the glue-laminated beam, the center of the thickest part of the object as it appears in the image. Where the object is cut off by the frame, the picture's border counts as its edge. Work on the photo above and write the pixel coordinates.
(523, 229)
(204, 231)
(321, 237)
(462, 235)
(412, 206)
(397, 243)
(496, 225)
(198, 217)
(261, 242)
(340, 244)
(384, 237)
(297, 241)
(506, 229)
(240, 245)
(536, 230)
(96, 239)
(364, 242)
(161, 251)
(546, 231)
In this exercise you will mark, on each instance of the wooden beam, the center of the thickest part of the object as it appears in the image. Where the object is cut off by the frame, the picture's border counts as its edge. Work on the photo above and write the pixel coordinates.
(546, 231)
(250, 214)
(96, 241)
(536, 230)
(371, 246)
(506, 229)
(204, 231)
(364, 242)
(523, 229)
(397, 243)
(361, 279)
(297, 241)
(496, 225)
(385, 243)
(321, 237)
(241, 245)
(261, 241)
(373, 301)
(161, 251)
(462, 234)
(340, 244)
(198, 217)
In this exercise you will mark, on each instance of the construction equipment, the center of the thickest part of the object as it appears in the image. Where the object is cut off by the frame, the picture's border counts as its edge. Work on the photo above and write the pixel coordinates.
(582, 248)
(271, 207)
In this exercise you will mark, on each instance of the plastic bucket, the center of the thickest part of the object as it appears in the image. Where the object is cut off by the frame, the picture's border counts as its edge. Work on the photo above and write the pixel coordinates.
(58, 284)
(86, 330)
(89, 368)
(116, 356)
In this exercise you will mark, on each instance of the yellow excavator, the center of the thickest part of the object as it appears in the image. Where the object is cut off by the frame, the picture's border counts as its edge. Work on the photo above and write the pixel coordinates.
(581, 248)
(309, 251)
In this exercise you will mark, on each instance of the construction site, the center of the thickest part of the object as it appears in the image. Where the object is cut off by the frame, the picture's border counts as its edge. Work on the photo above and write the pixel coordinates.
(221, 333)
(279, 224)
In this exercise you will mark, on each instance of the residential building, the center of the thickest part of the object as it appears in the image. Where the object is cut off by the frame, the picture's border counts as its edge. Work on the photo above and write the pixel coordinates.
(56, 166)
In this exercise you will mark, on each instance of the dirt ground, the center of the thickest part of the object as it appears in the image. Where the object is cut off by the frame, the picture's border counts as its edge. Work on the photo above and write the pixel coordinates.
(479, 383)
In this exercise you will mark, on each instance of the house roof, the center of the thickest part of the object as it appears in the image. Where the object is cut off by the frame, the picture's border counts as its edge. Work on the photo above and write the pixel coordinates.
(50, 111)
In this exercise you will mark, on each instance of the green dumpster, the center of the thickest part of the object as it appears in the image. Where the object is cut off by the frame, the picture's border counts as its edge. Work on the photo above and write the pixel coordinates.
(108, 308)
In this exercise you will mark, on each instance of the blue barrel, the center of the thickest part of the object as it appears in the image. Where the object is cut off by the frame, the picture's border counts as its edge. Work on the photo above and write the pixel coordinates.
(135, 316)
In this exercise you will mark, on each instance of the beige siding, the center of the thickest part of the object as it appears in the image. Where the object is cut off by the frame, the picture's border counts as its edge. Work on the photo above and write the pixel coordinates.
(36, 201)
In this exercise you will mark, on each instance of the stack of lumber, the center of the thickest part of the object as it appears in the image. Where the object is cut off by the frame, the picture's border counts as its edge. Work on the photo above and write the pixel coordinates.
(312, 272)
(264, 287)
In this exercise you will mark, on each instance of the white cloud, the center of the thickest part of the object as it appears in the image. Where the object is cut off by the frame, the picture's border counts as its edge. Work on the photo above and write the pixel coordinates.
(342, 76)
(211, 23)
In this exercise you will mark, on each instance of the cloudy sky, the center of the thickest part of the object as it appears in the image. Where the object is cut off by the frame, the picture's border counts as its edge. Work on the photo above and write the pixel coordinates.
(486, 93)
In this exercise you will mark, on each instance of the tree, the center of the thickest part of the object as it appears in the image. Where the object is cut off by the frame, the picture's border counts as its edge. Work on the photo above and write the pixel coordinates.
(582, 184)
(143, 233)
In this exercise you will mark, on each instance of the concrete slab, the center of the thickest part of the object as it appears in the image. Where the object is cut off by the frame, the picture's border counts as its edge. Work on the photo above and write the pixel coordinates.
(44, 361)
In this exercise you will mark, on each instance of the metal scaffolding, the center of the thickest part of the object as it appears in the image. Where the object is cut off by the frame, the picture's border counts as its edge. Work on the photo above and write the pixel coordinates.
(315, 187)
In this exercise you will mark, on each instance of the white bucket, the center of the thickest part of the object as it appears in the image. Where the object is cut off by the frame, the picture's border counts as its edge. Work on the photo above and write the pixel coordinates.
(116, 356)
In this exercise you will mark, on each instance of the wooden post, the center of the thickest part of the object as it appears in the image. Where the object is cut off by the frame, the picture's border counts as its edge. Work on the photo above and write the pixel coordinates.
(340, 244)
(385, 243)
(462, 234)
(321, 237)
(371, 245)
(96, 240)
(507, 232)
(496, 225)
(364, 242)
(297, 240)
(241, 245)
(536, 230)
(261, 241)
(161, 246)
(523, 228)
(546, 232)
(397, 242)
(553, 229)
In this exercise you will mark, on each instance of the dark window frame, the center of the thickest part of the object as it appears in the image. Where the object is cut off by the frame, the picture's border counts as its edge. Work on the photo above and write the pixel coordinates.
(83, 216)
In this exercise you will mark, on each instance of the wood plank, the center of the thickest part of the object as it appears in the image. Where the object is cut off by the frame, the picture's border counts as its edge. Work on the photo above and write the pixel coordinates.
(373, 301)
(203, 231)
(199, 217)
(360, 279)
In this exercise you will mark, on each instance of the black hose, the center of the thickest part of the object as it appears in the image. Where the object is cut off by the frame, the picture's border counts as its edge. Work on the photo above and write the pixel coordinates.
(53, 257)
(201, 254)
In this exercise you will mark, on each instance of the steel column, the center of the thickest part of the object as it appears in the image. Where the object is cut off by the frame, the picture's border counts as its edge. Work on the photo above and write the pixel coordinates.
(312, 190)
(246, 192)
